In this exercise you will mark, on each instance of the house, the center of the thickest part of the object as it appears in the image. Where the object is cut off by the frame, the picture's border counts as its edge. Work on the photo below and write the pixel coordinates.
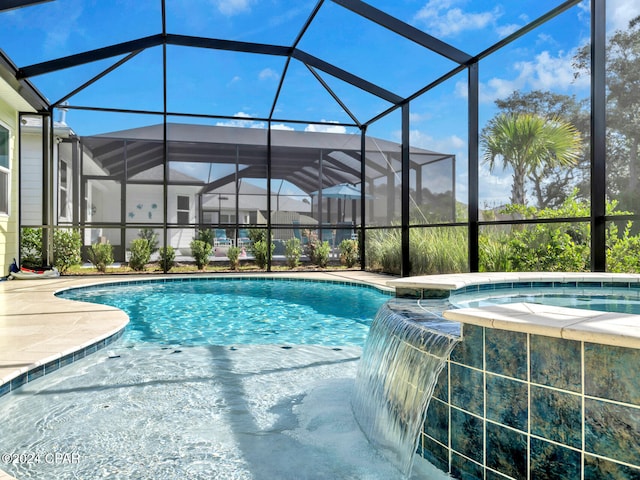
(16, 97)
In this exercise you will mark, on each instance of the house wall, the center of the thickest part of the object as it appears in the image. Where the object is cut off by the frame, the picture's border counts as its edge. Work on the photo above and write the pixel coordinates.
(9, 223)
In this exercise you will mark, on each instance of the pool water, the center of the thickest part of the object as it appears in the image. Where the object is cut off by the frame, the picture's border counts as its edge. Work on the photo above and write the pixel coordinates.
(226, 312)
(618, 300)
(187, 405)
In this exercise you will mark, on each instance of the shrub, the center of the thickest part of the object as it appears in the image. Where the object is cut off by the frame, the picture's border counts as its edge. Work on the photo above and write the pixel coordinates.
(317, 251)
(101, 255)
(150, 236)
(233, 254)
(67, 248)
(205, 235)
(200, 251)
(31, 247)
(167, 258)
(292, 252)
(261, 253)
(349, 252)
(140, 254)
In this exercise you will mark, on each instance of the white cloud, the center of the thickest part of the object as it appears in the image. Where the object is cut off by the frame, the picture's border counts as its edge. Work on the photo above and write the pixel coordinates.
(282, 126)
(440, 18)
(233, 7)
(544, 72)
(241, 123)
(506, 30)
(325, 128)
(268, 74)
(620, 12)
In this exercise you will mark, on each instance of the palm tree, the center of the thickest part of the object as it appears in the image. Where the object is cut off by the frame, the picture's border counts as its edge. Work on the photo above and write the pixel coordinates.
(527, 143)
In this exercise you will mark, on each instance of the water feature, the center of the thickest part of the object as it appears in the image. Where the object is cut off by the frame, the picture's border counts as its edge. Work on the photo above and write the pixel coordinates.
(405, 351)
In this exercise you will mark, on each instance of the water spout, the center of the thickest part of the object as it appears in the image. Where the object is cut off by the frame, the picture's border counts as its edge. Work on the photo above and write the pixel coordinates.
(406, 349)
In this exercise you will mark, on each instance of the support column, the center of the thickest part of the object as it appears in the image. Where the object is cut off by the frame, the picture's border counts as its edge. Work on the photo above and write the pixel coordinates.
(598, 136)
(474, 229)
(406, 263)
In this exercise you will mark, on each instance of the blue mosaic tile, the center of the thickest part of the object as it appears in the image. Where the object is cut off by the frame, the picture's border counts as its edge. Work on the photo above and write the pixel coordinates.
(5, 388)
(19, 381)
(436, 423)
(522, 285)
(52, 366)
(507, 451)
(470, 349)
(35, 373)
(504, 286)
(435, 453)
(91, 349)
(507, 402)
(441, 390)
(491, 475)
(566, 411)
(465, 469)
(506, 353)
(550, 461)
(600, 469)
(608, 373)
(467, 389)
(556, 362)
(612, 431)
(467, 434)
(80, 354)
(66, 360)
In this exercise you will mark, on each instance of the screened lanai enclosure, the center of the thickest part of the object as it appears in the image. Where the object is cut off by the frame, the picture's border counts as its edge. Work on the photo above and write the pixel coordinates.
(375, 121)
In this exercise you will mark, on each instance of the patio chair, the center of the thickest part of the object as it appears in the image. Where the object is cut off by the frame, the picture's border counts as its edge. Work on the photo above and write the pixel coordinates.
(221, 238)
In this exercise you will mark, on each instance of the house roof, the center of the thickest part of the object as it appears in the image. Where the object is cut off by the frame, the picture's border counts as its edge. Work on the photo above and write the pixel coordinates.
(295, 155)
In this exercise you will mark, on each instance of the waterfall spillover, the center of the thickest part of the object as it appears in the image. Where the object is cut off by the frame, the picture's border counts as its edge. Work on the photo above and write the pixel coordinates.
(406, 349)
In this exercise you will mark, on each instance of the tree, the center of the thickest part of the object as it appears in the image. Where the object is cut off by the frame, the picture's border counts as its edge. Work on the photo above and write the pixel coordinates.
(527, 143)
(623, 104)
(552, 185)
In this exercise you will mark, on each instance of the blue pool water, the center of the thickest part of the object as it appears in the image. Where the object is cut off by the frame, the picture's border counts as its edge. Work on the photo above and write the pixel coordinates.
(604, 299)
(228, 312)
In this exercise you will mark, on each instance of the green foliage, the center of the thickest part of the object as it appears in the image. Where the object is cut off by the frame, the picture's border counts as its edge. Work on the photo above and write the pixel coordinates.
(431, 250)
(623, 254)
(261, 252)
(317, 251)
(494, 253)
(257, 234)
(167, 258)
(205, 235)
(200, 250)
(140, 254)
(528, 143)
(349, 252)
(150, 236)
(101, 255)
(31, 247)
(67, 248)
(292, 252)
(233, 254)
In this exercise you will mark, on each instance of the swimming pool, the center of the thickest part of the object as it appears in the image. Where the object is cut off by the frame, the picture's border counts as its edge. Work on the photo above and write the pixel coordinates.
(604, 299)
(153, 406)
(241, 311)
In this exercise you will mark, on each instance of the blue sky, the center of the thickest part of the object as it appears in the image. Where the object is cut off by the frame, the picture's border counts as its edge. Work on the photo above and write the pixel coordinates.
(243, 85)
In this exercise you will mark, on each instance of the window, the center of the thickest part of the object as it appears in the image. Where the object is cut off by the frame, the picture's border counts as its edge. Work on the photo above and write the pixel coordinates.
(62, 199)
(4, 170)
(183, 210)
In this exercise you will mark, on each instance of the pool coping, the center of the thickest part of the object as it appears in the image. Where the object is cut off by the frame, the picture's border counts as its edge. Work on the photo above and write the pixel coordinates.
(617, 329)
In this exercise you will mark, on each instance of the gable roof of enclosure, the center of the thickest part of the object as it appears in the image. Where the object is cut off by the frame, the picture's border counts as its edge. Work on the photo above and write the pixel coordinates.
(295, 155)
